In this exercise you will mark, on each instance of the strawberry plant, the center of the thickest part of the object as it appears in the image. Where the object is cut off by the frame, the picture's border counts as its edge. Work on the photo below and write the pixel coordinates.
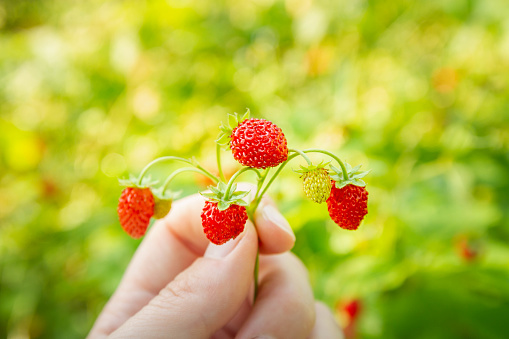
(258, 145)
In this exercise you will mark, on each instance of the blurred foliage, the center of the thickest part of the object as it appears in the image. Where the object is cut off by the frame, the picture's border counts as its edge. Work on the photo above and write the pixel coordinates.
(417, 91)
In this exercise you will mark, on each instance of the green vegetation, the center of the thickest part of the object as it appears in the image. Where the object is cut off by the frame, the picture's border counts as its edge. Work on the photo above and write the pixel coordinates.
(416, 91)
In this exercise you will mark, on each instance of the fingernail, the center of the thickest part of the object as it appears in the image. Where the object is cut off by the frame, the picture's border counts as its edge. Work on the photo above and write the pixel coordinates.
(221, 251)
(270, 213)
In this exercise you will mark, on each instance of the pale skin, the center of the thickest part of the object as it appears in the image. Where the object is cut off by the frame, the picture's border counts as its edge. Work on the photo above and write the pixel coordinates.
(179, 285)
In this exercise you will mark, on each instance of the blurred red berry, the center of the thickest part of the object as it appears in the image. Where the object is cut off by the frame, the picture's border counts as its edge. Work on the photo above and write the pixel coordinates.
(467, 248)
(352, 309)
(135, 208)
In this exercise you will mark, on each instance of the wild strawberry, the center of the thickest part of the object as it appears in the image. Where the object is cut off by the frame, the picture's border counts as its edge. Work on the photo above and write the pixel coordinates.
(224, 214)
(348, 200)
(316, 182)
(162, 200)
(135, 208)
(161, 207)
(255, 143)
(348, 205)
(221, 226)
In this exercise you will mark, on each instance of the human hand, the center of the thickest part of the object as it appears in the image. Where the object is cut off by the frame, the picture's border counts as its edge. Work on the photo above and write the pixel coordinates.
(179, 285)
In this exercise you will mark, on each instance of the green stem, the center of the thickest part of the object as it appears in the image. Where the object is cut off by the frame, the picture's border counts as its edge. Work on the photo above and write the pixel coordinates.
(182, 170)
(261, 180)
(156, 161)
(250, 213)
(218, 157)
(302, 154)
(280, 168)
(232, 179)
(333, 156)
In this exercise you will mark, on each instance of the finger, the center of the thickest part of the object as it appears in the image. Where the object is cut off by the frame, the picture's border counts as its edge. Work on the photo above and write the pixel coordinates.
(161, 256)
(284, 307)
(325, 324)
(170, 246)
(202, 298)
(274, 231)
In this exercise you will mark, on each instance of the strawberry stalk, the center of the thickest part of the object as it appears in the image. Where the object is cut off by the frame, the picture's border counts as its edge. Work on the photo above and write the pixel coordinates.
(232, 179)
(218, 158)
(333, 156)
(302, 154)
(173, 158)
(183, 170)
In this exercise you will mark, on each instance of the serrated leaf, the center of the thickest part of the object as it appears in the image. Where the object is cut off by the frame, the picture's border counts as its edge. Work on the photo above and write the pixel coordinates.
(361, 174)
(358, 182)
(223, 139)
(214, 190)
(222, 205)
(233, 188)
(246, 115)
(241, 203)
(209, 195)
(222, 186)
(240, 194)
(342, 184)
(232, 121)
(355, 169)
(348, 167)
(335, 169)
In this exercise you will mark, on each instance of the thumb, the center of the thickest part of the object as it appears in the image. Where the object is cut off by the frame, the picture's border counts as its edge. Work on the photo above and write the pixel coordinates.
(201, 299)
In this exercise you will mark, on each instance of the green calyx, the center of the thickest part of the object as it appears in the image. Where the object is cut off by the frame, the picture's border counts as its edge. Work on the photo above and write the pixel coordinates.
(218, 194)
(133, 181)
(354, 176)
(234, 120)
(310, 168)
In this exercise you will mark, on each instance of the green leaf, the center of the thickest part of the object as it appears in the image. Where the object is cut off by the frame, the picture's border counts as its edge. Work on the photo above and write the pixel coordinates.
(222, 205)
(246, 115)
(355, 169)
(221, 186)
(214, 189)
(358, 182)
(240, 194)
(209, 195)
(223, 139)
(361, 174)
(335, 169)
(233, 188)
(342, 184)
(241, 203)
(232, 121)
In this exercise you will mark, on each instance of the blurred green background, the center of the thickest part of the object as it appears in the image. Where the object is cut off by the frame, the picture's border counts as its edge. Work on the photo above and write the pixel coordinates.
(416, 91)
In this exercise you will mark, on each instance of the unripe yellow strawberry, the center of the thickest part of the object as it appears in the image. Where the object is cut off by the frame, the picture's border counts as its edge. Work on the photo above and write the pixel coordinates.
(317, 184)
(161, 207)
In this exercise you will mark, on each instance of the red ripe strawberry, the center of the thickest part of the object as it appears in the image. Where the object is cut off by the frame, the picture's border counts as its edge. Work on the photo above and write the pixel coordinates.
(348, 205)
(221, 226)
(135, 208)
(258, 143)
(255, 143)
